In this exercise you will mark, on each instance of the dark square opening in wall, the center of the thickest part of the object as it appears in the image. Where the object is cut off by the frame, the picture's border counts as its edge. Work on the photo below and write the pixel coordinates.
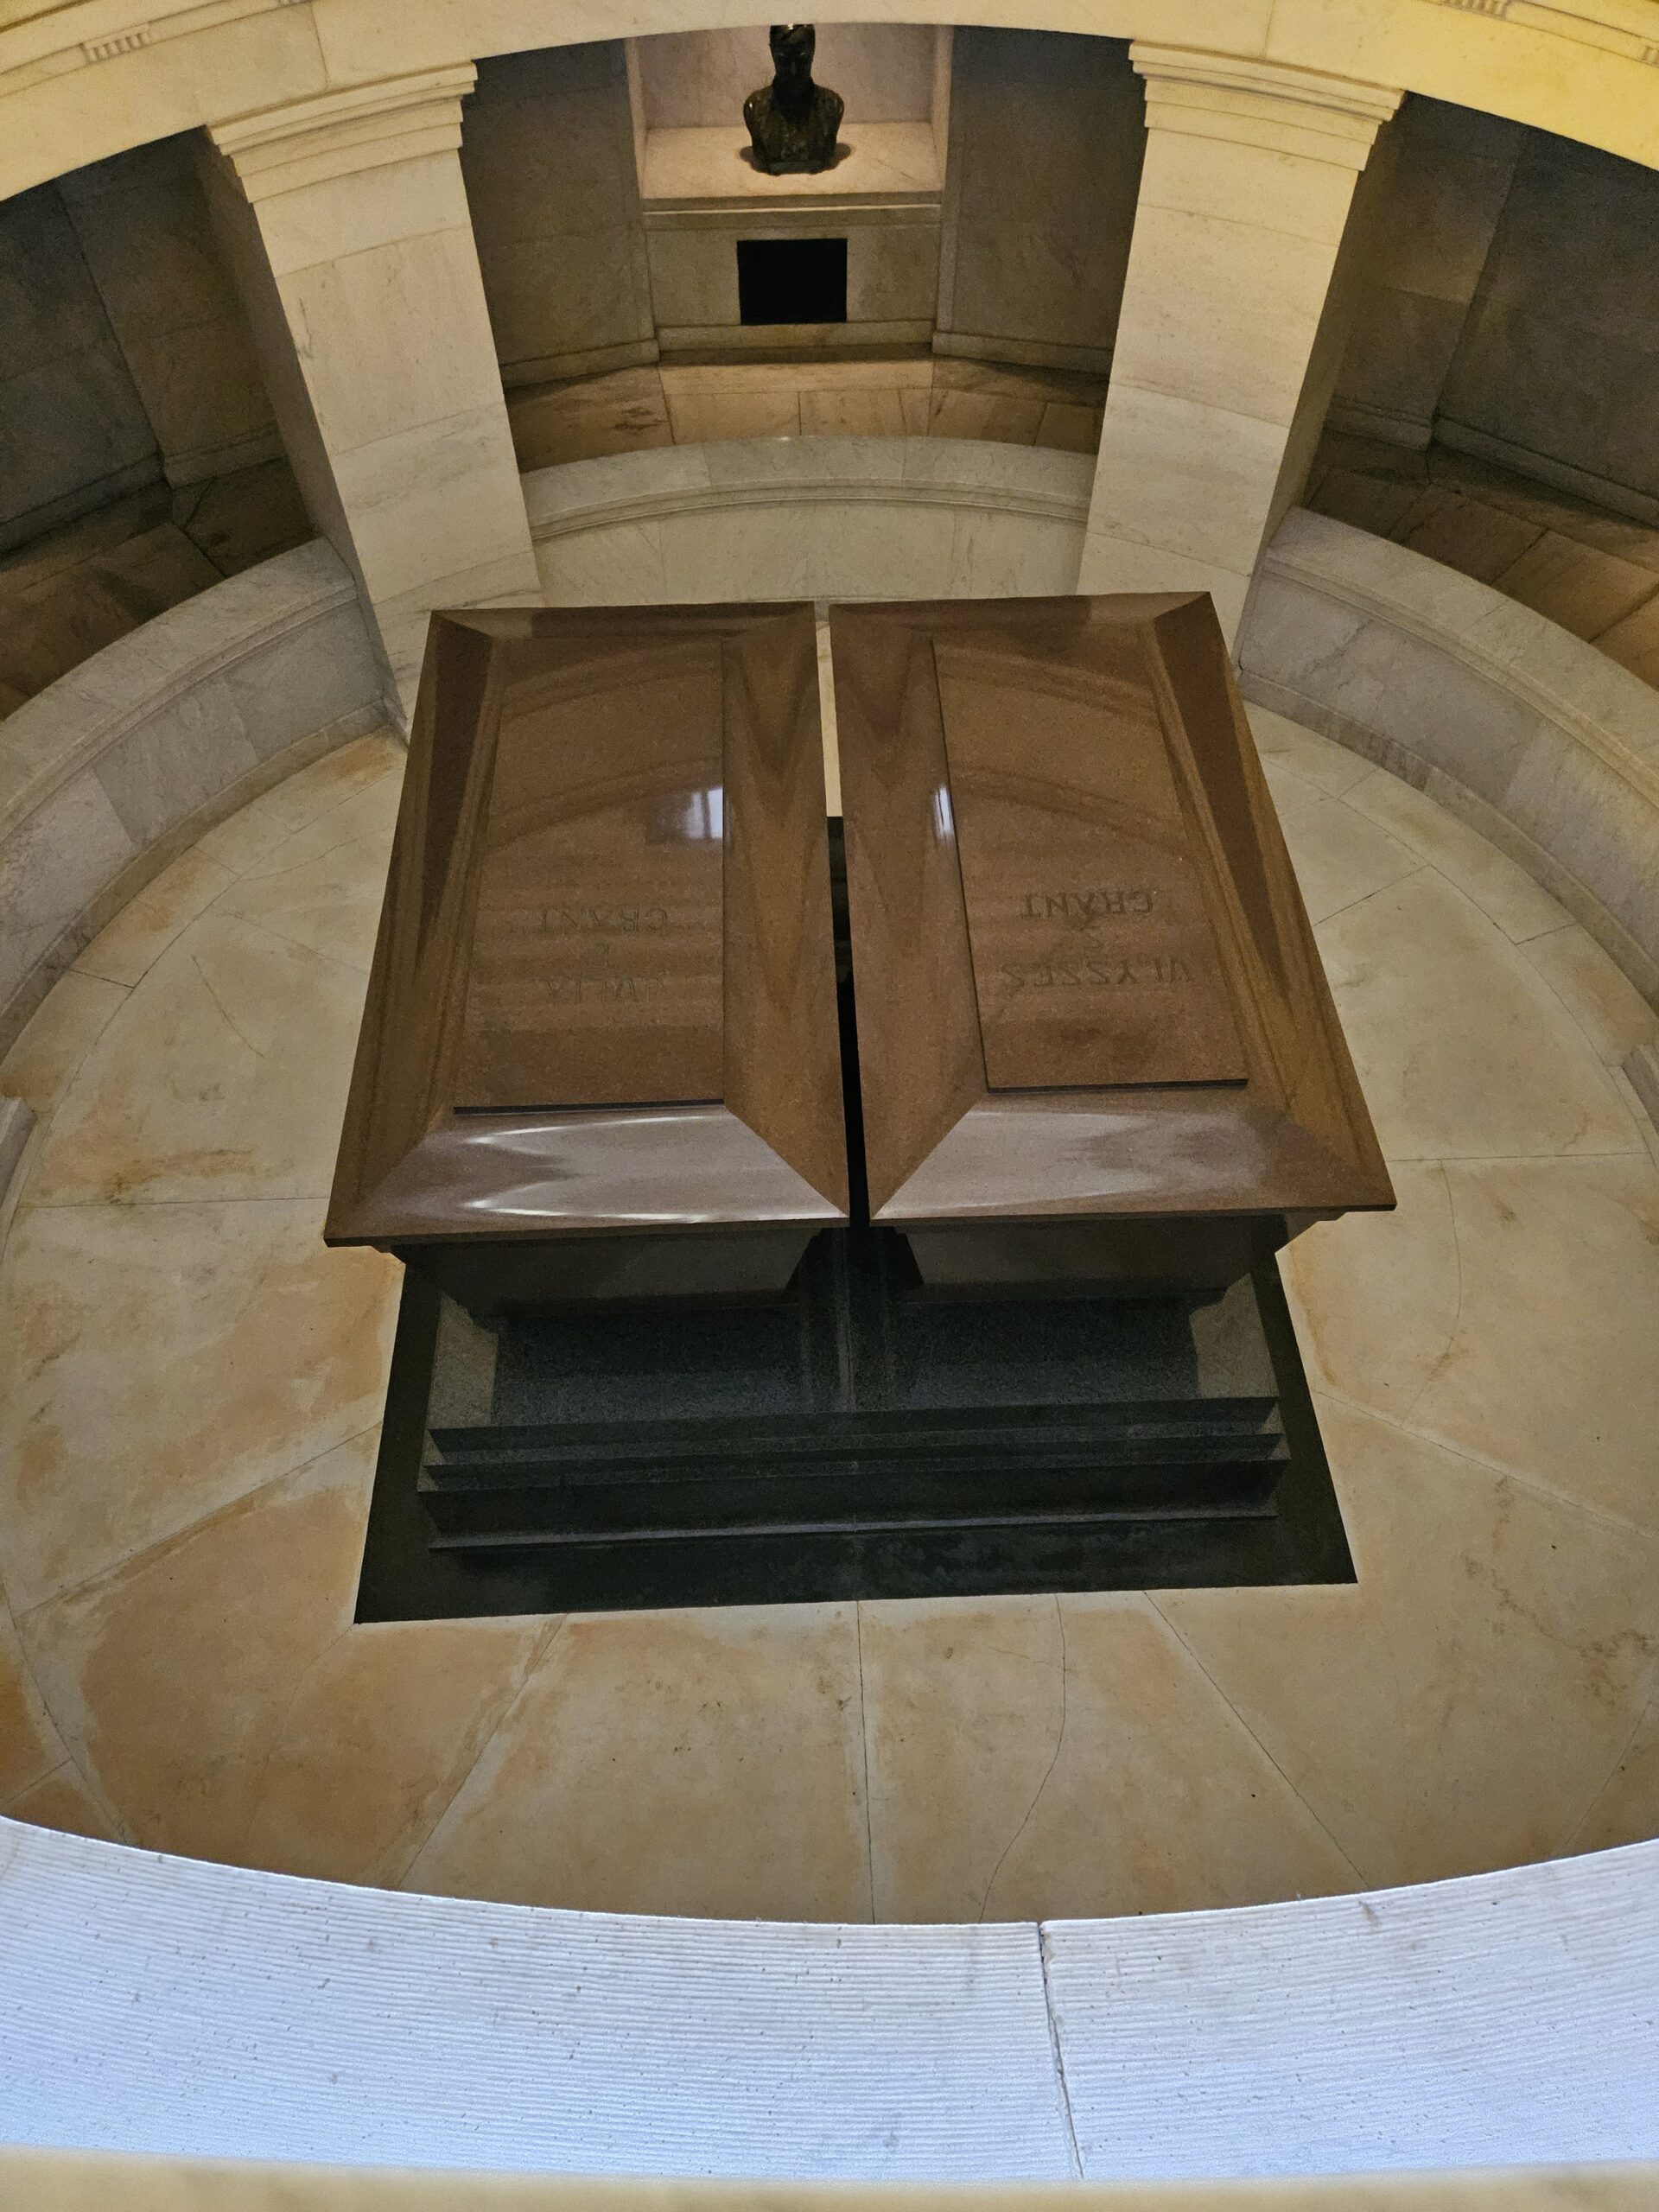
(791, 280)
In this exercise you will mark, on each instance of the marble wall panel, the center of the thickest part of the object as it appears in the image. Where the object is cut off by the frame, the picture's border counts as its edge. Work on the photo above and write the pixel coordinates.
(548, 156)
(694, 277)
(144, 229)
(174, 761)
(884, 72)
(72, 428)
(1046, 142)
(1432, 229)
(1559, 362)
(56, 861)
(303, 682)
(892, 272)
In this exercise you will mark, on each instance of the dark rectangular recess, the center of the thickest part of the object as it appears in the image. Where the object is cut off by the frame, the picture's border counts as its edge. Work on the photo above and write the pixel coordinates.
(791, 280)
(1072, 1520)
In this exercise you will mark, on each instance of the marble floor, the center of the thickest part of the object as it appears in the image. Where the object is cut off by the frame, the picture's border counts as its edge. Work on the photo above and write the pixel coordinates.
(190, 1387)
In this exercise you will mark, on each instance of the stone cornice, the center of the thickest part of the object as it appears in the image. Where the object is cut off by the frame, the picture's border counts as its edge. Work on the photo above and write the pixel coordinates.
(1307, 113)
(334, 134)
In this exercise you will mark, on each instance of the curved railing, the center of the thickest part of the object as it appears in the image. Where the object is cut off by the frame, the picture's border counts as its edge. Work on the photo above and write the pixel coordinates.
(163, 2004)
(110, 773)
(1541, 743)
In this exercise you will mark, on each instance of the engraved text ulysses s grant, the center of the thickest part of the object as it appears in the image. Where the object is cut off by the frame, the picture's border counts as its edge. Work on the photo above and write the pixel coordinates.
(598, 925)
(1094, 968)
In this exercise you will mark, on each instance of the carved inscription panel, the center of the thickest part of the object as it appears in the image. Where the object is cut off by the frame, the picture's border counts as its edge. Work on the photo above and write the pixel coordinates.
(596, 976)
(1094, 959)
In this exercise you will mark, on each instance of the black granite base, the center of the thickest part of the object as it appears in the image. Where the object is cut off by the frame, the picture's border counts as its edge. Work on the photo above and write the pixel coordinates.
(855, 1440)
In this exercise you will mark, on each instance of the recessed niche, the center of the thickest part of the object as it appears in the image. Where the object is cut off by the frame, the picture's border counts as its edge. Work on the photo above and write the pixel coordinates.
(791, 280)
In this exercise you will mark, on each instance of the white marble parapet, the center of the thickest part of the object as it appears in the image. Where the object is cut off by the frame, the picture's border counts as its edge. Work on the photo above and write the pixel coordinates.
(109, 772)
(1538, 740)
(878, 517)
(167, 2005)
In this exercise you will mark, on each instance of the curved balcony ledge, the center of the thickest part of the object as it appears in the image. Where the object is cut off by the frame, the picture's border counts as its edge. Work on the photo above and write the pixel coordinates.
(110, 773)
(167, 2005)
(1537, 739)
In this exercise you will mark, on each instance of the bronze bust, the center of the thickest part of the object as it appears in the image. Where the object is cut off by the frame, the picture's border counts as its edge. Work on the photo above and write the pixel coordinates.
(792, 121)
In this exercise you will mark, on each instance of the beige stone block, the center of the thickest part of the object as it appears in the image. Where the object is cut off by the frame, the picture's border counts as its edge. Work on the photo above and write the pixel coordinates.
(860, 412)
(160, 1360)
(917, 408)
(370, 211)
(1521, 908)
(1220, 311)
(1314, 760)
(999, 419)
(622, 566)
(1626, 1809)
(736, 1787)
(1585, 590)
(435, 502)
(416, 303)
(377, 1737)
(128, 947)
(1257, 185)
(1068, 428)
(173, 1672)
(1016, 380)
(699, 416)
(1509, 1315)
(57, 1038)
(29, 1745)
(1462, 1050)
(1467, 534)
(203, 392)
(1025, 1756)
(548, 431)
(1600, 997)
(62, 1800)
(1110, 564)
(693, 281)
(1191, 479)
(1445, 202)
(1376, 1296)
(324, 889)
(893, 273)
(1634, 642)
(224, 1076)
(296, 802)
(1339, 857)
(1455, 1710)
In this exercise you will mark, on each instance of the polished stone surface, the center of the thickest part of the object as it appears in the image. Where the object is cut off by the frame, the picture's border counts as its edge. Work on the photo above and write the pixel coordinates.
(603, 993)
(190, 1408)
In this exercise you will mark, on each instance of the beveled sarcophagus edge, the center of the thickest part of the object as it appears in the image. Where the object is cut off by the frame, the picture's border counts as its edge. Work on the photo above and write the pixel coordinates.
(414, 1169)
(1290, 1142)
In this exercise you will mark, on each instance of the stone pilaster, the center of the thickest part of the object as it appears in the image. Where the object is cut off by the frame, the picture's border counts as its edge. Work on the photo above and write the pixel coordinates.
(1225, 353)
(347, 224)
